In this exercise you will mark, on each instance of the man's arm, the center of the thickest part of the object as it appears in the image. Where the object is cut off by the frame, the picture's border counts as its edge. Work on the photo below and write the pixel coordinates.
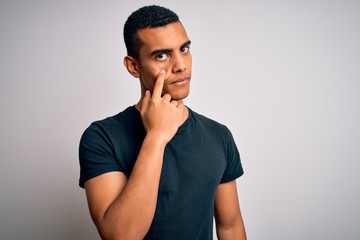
(124, 208)
(229, 222)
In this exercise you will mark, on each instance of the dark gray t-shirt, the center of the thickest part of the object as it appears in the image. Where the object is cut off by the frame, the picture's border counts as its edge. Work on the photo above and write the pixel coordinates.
(201, 156)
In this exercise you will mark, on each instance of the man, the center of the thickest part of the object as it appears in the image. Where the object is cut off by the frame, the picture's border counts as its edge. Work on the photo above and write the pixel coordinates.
(158, 170)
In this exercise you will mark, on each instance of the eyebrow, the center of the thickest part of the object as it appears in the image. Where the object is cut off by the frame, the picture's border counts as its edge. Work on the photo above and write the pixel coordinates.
(168, 50)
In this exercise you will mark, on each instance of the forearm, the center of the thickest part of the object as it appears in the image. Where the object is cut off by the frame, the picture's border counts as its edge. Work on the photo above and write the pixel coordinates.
(131, 213)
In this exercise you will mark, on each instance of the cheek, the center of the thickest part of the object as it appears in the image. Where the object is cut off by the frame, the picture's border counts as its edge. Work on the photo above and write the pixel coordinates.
(190, 61)
(148, 78)
(151, 72)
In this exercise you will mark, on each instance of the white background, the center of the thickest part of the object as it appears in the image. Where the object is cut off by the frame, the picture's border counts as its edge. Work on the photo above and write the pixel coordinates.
(282, 75)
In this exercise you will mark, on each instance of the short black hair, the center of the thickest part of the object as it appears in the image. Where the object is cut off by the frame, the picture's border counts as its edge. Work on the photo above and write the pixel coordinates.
(146, 17)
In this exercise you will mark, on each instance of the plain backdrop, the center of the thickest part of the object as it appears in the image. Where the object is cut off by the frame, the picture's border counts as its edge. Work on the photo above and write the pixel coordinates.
(284, 76)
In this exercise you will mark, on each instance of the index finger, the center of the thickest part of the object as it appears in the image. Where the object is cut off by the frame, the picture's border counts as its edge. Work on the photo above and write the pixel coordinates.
(158, 87)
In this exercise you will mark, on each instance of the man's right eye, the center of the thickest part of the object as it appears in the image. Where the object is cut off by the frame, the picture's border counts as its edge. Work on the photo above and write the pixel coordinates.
(161, 57)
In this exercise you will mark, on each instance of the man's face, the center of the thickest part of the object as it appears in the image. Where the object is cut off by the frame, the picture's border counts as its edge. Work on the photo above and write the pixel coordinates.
(165, 48)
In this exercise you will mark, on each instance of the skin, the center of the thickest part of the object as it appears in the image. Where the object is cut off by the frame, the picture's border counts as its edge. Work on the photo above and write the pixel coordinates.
(164, 48)
(123, 208)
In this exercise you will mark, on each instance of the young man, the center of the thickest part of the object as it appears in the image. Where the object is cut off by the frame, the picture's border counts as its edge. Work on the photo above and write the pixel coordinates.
(158, 170)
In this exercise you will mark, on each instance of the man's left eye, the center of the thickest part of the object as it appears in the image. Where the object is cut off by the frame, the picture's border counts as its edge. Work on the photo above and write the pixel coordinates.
(185, 49)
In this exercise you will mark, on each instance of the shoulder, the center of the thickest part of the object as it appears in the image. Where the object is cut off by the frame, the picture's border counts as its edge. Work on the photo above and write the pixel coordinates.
(127, 116)
(209, 123)
(121, 122)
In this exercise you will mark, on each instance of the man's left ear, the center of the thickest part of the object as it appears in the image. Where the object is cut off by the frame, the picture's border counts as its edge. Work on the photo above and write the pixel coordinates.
(131, 65)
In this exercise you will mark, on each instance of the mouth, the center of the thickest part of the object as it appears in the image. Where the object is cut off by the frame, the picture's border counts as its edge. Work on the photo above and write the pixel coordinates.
(180, 82)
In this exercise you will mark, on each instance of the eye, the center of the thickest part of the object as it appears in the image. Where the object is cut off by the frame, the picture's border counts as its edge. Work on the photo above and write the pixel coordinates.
(185, 49)
(161, 57)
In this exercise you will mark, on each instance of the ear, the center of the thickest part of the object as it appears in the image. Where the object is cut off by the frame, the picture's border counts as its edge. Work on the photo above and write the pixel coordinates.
(132, 66)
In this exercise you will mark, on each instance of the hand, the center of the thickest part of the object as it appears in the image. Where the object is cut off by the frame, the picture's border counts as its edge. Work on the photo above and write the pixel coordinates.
(161, 116)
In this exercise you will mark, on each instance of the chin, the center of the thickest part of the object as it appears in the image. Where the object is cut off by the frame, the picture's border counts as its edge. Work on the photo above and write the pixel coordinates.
(179, 96)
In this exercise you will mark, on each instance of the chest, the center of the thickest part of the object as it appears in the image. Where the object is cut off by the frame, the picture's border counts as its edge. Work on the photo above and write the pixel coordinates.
(193, 164)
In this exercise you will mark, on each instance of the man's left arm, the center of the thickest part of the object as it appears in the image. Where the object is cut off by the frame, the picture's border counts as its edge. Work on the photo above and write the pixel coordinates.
(229, 222)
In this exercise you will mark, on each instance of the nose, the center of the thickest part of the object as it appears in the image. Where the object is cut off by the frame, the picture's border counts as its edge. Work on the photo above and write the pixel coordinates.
(179, 64)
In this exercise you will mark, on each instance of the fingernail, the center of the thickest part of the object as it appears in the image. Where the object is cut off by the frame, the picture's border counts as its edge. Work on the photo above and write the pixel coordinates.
(162, 71)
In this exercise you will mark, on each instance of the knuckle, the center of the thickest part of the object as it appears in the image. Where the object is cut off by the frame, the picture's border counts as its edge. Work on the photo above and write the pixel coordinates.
(152, 101)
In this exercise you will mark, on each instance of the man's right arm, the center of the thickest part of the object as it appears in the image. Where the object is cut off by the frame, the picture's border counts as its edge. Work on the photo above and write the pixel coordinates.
(124, 208)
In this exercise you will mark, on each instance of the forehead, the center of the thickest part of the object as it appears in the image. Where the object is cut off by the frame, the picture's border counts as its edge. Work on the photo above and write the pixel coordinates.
(171, 36)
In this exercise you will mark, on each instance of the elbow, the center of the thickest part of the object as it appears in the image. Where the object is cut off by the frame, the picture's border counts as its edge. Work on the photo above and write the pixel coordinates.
(120, 232)
(107, 234)
(234, 231)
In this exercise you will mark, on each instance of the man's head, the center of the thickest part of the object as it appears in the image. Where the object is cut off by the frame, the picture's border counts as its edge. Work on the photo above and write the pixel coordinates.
(145, 17)
(156, 40)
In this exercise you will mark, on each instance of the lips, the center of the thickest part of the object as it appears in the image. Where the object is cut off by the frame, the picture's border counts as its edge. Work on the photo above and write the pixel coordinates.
(180, 81)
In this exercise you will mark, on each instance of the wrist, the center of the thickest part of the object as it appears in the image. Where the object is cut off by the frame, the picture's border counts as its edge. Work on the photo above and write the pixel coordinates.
(155, 140)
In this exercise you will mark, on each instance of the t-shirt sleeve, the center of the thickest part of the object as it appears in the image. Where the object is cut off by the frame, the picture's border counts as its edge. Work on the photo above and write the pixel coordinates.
(96, 154)
(234, 167)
